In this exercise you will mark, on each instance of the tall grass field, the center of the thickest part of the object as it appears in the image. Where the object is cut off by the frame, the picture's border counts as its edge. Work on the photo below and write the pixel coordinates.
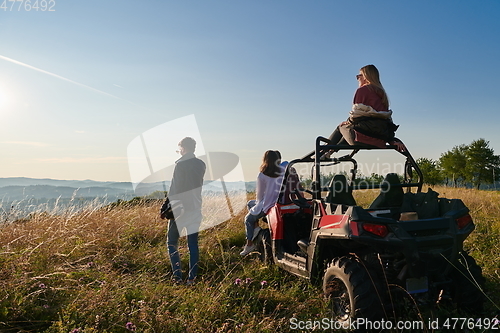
(107, 270)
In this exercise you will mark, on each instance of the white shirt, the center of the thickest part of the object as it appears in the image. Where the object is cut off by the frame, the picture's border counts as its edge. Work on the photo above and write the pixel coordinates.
(268, 189)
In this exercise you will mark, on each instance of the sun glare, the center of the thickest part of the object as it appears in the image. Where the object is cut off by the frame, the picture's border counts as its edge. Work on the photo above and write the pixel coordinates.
(3, 99)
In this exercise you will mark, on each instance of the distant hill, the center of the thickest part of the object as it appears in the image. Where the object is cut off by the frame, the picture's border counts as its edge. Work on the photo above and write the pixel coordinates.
(26, 195)
(19, 188)
(23, 181)
(52, 192)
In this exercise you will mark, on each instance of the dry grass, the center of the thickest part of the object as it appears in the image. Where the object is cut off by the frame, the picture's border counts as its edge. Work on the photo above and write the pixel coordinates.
(484, 243)
(97, 270)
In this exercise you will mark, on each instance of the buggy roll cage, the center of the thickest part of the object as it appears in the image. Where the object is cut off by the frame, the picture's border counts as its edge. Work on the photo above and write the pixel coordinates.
(323, 145)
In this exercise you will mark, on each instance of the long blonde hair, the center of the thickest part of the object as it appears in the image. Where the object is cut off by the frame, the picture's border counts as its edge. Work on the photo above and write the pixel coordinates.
(271, 163)
(371, 74)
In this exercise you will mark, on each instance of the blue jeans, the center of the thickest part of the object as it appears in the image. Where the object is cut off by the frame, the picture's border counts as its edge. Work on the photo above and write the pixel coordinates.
(250, 220)
(173, 249)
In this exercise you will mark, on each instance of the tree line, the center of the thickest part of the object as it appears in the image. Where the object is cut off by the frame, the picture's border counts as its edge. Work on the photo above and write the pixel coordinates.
(465, 165)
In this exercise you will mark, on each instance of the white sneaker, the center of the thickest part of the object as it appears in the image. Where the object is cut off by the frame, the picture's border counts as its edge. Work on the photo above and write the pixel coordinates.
(247, 250)
(256, 232)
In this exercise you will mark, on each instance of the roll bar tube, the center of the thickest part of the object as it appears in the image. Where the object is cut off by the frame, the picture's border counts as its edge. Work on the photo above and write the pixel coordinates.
(321, 149)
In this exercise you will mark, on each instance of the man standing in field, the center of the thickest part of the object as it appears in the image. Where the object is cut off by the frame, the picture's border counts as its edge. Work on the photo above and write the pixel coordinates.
(185, 191)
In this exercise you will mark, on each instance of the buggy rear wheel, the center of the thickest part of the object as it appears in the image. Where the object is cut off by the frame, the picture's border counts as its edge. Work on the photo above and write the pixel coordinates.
(350, 291)
(468, 282)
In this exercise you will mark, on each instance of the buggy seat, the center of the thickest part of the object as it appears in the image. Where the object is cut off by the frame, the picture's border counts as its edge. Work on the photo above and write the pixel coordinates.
(339, 192)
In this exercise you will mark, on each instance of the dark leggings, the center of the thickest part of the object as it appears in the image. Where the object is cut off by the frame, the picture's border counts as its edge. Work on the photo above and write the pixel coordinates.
(336, 138)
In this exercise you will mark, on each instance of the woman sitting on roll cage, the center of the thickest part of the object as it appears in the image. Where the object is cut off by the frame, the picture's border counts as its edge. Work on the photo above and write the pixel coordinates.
(370, 115)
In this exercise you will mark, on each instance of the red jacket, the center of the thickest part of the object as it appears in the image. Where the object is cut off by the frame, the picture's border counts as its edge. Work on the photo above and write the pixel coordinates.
(367, 95)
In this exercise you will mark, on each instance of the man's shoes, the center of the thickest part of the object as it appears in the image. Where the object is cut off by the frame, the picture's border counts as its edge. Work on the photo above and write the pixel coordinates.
(256, 232)
(247, 249)
(177, 281)
(190, 282)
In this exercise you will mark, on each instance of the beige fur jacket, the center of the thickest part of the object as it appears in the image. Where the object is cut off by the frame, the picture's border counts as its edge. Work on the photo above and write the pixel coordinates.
(361, 110)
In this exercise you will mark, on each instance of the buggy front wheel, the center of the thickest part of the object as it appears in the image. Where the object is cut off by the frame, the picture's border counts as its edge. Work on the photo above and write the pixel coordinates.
(264, 246)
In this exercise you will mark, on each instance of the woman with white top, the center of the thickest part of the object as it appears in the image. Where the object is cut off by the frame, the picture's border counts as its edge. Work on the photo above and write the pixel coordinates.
(268, 187)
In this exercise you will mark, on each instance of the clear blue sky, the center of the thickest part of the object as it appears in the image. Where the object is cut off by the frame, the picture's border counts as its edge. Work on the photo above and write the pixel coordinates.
(78, 84)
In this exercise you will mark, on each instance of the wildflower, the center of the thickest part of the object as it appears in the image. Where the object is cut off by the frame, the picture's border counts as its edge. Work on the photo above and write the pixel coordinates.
(45, 306)
(42, 286)
(237, 281)
(248, 280)
(130, 326)
(263, 283)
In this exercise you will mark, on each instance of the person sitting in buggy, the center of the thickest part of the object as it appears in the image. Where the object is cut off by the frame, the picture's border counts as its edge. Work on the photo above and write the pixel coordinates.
(268, 187)
(370, 120)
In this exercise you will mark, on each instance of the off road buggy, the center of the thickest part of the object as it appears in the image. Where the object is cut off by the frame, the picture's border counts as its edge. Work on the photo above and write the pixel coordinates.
(407, 244)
